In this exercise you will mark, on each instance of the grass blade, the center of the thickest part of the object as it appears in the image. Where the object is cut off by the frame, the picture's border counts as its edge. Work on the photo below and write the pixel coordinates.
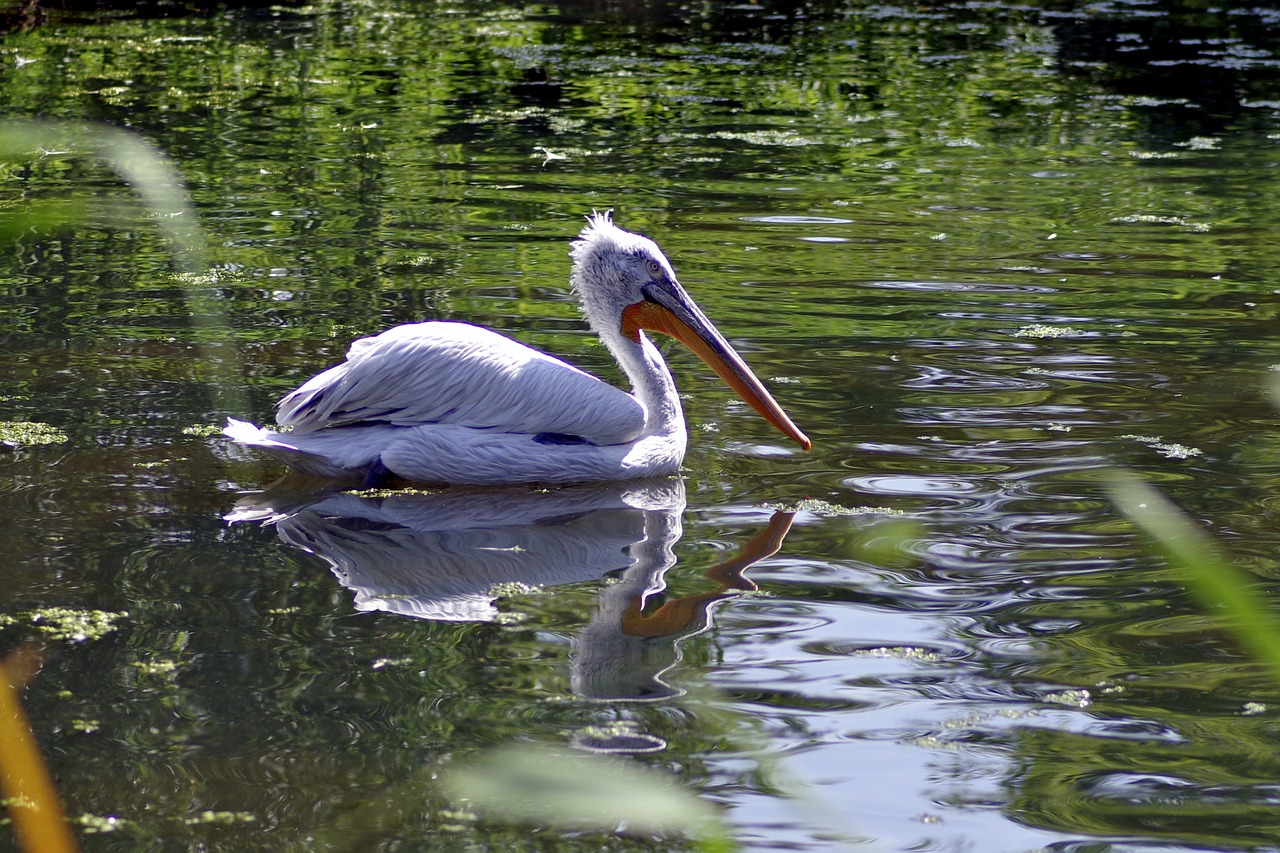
(1209, 574)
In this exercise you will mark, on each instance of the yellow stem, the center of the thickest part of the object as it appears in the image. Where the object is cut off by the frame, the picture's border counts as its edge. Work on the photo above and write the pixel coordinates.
(38, 819)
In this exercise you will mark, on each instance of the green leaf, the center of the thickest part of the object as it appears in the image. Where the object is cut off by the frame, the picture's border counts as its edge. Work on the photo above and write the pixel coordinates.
(1210, 575)
(545, 786)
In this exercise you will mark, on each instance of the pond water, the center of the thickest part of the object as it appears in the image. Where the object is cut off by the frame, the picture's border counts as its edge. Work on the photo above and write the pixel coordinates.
(985, 254)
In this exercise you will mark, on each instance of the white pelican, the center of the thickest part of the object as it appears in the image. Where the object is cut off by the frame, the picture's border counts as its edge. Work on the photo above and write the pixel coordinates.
(453, 403)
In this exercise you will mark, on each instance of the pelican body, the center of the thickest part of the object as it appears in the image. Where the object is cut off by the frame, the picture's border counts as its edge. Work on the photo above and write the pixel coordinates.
(443, 402)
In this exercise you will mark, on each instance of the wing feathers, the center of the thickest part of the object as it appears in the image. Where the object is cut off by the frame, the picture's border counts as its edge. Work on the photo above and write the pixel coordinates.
(461, 374)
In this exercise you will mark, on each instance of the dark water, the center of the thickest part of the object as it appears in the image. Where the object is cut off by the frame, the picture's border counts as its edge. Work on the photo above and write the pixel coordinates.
(983, 253)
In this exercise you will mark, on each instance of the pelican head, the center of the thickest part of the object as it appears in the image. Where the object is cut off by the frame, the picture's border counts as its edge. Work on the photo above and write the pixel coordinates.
(627, 285)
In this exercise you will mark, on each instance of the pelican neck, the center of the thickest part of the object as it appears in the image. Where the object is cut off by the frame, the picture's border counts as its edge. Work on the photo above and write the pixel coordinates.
(651, 381)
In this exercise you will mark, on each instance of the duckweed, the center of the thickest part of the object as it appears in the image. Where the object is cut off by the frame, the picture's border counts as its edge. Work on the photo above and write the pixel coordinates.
(827, 508)
(92, 824)
(1040, 330)
(156, 667)
(1168, 449)
(74, 626)
(223, 818)
(29, 433)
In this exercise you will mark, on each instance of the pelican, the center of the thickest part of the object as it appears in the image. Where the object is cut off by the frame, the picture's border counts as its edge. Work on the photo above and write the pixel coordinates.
(453, 403)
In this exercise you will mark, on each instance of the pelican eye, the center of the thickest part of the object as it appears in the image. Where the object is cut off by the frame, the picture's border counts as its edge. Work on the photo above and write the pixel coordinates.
(655, 269)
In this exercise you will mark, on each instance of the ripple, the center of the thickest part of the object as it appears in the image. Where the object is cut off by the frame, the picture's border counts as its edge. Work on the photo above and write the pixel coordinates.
(624, 741)
(1148, 731)
(1133, 787)
(914, 485)
(789, 699)
(1013, 416)
(797, 220)
(1083, 256)
(921, 654)
(959, 287)
(943, 379)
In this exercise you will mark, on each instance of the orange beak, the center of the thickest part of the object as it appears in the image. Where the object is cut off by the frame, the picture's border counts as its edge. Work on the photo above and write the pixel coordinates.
(666, 308)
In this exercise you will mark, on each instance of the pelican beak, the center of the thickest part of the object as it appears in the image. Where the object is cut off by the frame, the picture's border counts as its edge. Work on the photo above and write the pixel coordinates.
(668, 309)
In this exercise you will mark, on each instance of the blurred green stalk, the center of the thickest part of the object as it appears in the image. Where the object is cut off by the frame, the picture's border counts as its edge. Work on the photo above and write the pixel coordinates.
(1211, 576)
(158, 183)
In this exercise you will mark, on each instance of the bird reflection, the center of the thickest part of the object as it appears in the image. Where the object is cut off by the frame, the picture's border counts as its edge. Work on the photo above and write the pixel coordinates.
(449, 555)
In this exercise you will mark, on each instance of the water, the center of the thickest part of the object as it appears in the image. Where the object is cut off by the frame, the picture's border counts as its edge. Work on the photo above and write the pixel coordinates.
(982, 254)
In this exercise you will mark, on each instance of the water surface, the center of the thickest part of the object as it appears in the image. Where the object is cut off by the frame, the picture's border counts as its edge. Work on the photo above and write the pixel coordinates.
(983, 255)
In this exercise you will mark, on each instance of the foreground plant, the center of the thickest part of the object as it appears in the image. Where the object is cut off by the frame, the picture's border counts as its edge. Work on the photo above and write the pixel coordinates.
(1209, 574)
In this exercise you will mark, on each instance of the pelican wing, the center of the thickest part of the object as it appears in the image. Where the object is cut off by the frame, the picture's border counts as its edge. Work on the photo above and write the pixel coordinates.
(456, 373)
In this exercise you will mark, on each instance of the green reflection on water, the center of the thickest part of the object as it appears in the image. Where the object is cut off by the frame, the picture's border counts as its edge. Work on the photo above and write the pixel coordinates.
(872, 201)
